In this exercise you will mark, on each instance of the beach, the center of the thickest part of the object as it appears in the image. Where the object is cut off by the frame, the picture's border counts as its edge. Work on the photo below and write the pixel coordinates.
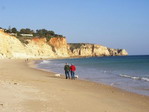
(26, 89)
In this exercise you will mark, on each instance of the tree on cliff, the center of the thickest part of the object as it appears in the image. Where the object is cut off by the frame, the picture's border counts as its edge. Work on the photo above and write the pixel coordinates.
(10, 30)
(26, 31)
(38, 33)
(14, 30)
(44, 33)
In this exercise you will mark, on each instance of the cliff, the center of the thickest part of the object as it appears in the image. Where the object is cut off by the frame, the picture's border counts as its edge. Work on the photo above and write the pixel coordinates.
(59, 46)
(38, 48)
(11, 47)
(93, 50)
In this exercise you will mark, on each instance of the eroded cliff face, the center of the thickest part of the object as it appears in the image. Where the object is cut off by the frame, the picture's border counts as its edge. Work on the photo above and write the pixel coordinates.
(87, 50)
(59, 46)
(11, 47)
(38, 48)
(93, 50)
(117, 52)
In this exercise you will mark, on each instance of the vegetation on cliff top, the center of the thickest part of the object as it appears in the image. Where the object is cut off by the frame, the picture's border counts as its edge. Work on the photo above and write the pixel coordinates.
(29, 33)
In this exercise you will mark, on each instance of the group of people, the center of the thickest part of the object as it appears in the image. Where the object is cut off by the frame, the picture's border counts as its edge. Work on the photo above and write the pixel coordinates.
(70, 70)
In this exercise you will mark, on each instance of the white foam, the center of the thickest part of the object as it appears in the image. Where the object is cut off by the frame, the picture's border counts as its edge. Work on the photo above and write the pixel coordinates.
(135, 78)
(123, 75)
(145, 79)
(44, 62)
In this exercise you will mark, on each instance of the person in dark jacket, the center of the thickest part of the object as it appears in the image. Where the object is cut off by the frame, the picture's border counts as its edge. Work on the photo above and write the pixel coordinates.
(72, 71)
(67, 70)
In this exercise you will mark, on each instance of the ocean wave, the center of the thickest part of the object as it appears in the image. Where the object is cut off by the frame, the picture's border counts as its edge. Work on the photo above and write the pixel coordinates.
(145, 79)
(45, 62)
(135, 78)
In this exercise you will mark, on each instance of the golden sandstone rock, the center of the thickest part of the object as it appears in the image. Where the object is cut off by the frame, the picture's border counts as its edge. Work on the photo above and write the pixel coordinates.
(11, 47)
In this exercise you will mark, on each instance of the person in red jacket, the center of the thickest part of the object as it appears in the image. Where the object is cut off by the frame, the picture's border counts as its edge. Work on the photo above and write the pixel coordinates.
(72, 71)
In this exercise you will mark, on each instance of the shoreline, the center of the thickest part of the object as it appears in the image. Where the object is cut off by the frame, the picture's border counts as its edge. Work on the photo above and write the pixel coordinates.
(112, 84)
(33, 65)
(37, 90)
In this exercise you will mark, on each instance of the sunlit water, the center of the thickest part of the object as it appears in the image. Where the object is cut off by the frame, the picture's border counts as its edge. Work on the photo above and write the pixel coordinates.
(130, 73)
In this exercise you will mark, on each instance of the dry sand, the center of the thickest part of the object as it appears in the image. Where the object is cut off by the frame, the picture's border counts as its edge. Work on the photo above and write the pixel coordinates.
(25, 89)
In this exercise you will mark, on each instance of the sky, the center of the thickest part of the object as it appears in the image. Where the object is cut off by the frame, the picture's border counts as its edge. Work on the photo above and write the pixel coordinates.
(119, 24)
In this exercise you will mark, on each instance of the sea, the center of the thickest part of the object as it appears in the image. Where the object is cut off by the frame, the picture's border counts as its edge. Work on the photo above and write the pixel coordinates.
(130, 73)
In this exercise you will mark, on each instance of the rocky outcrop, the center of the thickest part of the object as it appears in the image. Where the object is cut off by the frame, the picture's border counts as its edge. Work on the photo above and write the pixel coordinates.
(11, 47)
(93, 50)
(117, 52)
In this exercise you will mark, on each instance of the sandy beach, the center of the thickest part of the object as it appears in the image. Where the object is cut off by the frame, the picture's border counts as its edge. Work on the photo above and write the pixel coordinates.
(25, 89)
